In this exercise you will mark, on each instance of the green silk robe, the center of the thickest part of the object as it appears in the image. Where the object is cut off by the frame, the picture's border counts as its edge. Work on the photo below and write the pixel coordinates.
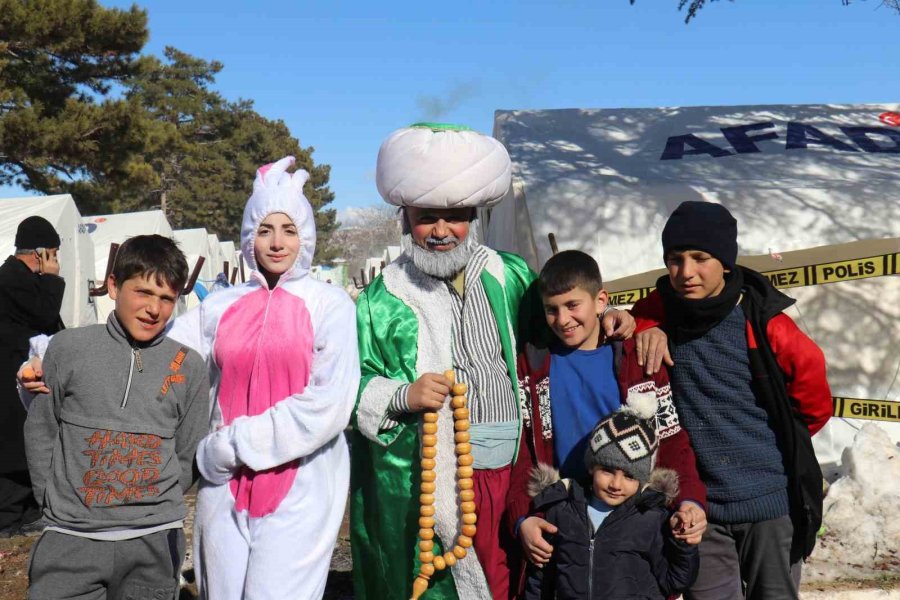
(404, 327)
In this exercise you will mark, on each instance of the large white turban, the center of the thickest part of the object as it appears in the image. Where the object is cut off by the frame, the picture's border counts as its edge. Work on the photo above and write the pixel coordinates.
(433, 165)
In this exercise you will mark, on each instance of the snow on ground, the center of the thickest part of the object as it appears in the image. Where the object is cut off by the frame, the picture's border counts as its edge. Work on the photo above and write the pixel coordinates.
(851, 595)
(861, 531)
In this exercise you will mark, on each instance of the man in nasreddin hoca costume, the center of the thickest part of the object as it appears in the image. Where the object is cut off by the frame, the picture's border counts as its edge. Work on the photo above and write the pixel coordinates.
(447, 303)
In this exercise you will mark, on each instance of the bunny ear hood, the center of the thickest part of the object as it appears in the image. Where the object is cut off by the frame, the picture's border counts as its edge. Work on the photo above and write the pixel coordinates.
(277, 191)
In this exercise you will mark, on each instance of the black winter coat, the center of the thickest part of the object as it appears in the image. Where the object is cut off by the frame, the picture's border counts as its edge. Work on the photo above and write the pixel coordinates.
(29, 305)
(633, 555)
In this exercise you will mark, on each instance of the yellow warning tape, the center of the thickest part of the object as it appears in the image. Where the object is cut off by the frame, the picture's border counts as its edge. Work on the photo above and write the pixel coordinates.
(859, 408)
(833, 272)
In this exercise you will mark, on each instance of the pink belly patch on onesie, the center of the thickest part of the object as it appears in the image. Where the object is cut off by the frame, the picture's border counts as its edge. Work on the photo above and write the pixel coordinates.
(264, 351)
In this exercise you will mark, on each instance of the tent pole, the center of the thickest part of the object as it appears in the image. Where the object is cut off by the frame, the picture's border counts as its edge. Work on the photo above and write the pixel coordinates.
(102, 289)
(193, 278)
(553, 247)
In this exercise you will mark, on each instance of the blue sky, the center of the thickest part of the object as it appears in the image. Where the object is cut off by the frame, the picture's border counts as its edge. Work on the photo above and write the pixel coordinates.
(343, 75)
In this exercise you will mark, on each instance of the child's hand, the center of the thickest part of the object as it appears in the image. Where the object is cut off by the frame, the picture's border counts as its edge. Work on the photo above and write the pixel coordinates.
(531, 536)
(688, 523)
(428, 392)
(30, 377)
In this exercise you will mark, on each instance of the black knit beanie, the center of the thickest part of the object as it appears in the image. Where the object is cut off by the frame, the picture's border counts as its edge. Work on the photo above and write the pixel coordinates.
(36, 232)
(702, 226)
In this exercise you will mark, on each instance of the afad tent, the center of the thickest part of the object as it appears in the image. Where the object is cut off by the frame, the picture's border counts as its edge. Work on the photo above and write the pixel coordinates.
(105, 230)
(814, 189)
(76, 255)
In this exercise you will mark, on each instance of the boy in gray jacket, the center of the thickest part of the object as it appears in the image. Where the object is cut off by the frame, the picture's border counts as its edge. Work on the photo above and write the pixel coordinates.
(111, 444)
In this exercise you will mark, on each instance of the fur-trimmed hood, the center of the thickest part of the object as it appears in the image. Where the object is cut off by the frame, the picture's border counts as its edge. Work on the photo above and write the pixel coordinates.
(662, 482)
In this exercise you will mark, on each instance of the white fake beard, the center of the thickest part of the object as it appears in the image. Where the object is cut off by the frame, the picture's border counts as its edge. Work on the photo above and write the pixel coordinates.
(441, 264)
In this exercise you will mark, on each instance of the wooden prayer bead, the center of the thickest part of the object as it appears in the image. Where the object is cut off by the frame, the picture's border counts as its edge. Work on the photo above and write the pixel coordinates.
(428, 487)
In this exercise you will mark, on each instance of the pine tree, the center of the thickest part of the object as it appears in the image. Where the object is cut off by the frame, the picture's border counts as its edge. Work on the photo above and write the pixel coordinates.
(204, 151)
(59, 59)
(82, 113)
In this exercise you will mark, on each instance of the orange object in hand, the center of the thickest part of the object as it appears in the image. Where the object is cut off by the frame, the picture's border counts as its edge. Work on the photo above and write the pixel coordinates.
(28, 373)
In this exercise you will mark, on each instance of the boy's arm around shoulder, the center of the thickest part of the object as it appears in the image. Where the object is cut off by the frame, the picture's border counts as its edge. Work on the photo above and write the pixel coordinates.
(42, 425)
(194, 422)
(648, 312)
(301, 423)
(675, 449)
(803, 364)
(674, 562)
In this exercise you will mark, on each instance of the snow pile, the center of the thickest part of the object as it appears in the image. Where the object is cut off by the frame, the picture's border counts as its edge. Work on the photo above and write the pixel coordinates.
(862, 531)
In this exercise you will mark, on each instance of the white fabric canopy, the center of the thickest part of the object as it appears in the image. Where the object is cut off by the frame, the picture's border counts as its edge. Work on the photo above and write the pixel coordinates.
(227, 249)
(794, 177)
(76, 255)
(195, 244)
(105, 230)
(216, 258)
(115, 229)
(391, 253)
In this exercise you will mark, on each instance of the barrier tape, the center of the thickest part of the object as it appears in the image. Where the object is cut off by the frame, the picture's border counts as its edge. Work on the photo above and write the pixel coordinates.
(833, 272)
(859, 408)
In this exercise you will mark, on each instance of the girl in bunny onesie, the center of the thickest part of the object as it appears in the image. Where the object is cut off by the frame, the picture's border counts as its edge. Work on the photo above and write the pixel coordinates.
(284, 371)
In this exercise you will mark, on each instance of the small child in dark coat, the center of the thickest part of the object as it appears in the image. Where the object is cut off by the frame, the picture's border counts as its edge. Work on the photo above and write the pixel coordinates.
(614, 541)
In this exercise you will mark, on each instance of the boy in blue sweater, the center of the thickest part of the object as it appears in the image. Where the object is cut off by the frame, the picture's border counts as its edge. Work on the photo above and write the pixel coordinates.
(579, 379)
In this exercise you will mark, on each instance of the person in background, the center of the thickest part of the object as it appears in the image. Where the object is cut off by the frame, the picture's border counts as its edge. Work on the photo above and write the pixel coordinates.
(31, 296)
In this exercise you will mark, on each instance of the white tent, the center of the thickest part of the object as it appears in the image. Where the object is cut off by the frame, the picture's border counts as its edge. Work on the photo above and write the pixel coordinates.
(195, 244)
(105, 230)
(115, 229)
(391, 253)
(373, 268)
(795, 176)
(217, 259)
(76, 255)
(227, 249)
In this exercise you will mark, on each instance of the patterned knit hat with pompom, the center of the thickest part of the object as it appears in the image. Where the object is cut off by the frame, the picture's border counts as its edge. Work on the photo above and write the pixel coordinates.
(626, 439)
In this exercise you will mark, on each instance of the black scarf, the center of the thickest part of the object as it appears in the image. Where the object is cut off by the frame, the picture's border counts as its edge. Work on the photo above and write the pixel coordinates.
(688, 320)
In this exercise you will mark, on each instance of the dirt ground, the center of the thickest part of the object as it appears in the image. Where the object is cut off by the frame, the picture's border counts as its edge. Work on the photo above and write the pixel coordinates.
(14, 575)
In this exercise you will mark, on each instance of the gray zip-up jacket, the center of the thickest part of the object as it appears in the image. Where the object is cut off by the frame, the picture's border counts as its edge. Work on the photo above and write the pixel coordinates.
(111, 447)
